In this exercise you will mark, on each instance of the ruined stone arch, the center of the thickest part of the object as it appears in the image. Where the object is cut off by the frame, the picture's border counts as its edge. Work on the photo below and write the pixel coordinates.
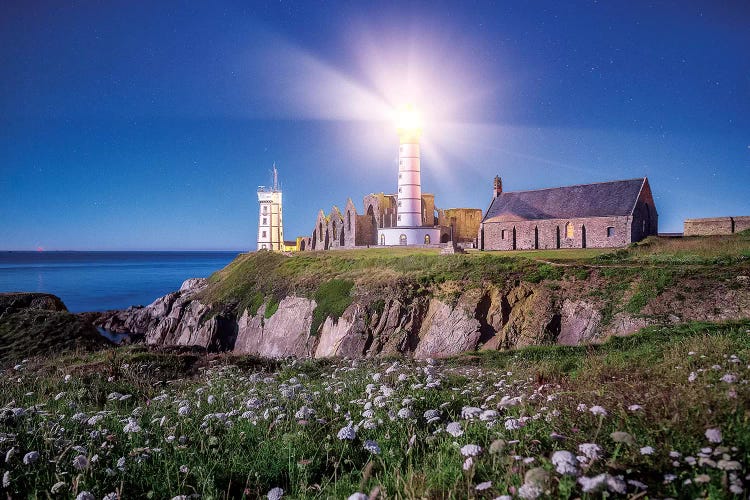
(302, 246)
(569, 232)
(348, 220)
(341, 237)
(327, 244)
(320, 230)
(333, 228)
(314, 239)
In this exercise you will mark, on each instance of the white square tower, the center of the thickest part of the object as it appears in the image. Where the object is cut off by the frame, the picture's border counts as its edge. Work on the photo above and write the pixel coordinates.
(270, 223)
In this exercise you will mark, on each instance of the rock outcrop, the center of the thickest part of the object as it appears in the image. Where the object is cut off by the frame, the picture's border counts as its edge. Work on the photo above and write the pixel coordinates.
(34, 324)
(400, 323)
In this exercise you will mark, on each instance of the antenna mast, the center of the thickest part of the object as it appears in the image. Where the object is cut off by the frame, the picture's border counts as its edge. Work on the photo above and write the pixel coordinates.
(275, 178)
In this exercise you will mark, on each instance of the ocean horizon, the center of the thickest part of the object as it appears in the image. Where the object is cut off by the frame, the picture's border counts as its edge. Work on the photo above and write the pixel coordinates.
(100, 280)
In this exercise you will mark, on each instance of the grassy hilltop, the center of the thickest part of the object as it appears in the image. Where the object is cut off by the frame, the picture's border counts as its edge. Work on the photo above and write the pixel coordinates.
(620, 279)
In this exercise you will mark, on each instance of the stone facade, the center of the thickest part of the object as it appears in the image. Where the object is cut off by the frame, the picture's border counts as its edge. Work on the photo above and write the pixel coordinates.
(716, 226)
(602, 215)
(350, 229)
(464, 221)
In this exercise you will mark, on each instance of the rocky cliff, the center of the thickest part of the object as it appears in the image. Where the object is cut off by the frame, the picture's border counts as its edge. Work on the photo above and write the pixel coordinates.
(397, 320)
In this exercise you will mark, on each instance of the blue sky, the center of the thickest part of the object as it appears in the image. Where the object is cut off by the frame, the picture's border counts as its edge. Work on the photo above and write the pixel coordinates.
(149, 125)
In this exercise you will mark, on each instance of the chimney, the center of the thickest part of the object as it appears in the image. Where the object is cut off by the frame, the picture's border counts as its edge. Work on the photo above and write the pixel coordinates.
(498, 188)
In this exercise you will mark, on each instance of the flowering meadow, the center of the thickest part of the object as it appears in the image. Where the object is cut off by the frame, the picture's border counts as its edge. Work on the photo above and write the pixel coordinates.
(663, 413)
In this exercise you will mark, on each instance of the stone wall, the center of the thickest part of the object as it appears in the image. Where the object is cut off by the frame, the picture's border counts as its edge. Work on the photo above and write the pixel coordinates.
(592, 232)
(465, 222)
(710, 226)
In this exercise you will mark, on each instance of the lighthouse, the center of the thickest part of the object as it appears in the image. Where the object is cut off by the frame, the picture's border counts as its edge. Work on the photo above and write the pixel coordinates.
(270, 223)
(409, 182)
(410, 220)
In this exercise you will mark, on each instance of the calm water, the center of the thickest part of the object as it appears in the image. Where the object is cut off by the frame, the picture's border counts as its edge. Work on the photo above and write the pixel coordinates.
(97, 281)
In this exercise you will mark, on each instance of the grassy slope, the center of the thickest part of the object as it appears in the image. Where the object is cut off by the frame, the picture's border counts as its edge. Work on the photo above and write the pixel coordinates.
(254, 454)
(650, 266)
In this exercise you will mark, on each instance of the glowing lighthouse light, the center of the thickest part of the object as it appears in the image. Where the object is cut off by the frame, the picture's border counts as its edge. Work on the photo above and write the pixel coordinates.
(410, 226)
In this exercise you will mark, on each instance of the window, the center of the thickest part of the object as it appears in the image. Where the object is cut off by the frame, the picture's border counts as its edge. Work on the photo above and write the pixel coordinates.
(426, 239)
(382, 239)
(502, 234)
(569, 230)
(399, 190)
(265, 209)
(402, 239)
(399, 218)
(348, 221)
(401, 162)
(610, 232)
(399, 176)
(264, 234)
(265, 221)
(399, 203)
(263, 246)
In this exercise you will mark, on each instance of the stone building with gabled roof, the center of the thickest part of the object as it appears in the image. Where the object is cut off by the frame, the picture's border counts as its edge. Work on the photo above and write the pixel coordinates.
(600, 215)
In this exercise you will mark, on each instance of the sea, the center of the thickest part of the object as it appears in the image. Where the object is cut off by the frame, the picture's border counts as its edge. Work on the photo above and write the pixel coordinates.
(99, 281)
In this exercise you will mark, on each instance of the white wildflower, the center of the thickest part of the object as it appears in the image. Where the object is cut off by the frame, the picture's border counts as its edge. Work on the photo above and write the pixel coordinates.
(372, 447)
(530, 491)
(432, 416)
(31, 457)
(483, 486)
(405, 413)
(713, 435)
(635, 407)
(275, 494)
(131, 427)
(598, 410)
(347, 433)
(647, 450)
(57, 487)
(471, 450)
(357, 496)
(454, 429)
(593, 484)
(6, 479)
(564, 462)
(85, 495)
(590, 450)
(80, 462)
(468, 463)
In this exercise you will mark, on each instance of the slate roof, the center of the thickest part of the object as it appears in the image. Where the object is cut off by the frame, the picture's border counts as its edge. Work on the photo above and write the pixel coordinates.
(602, 199)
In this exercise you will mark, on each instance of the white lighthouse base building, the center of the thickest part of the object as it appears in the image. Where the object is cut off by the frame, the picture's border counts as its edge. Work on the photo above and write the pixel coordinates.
(420, 235)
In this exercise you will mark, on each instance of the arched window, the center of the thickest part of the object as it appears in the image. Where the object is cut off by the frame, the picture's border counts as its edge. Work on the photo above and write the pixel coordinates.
(320, 230)
(557, 237)
(348, 221)
(569, 230)
(402, 239)
(382, 239)
(536, 238)
(333, 226)
(302, 246)
(426, 239)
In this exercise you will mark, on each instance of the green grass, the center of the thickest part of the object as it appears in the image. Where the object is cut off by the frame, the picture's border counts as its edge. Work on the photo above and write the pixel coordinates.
(242, 438)
(332, 299)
